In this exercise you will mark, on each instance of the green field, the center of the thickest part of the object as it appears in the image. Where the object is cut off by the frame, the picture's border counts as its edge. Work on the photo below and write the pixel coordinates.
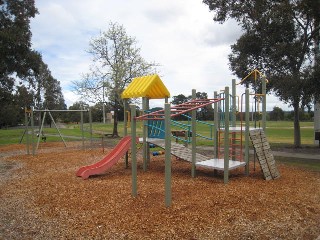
(278, 133)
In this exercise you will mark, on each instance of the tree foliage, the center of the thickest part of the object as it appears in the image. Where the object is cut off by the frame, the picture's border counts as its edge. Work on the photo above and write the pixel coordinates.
(277, 114)
(116, 61)
(15, 39)
(279, 39)
(25, 79)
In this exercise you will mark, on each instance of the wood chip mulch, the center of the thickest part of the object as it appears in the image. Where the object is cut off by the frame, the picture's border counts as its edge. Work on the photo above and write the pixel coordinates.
(41, 198)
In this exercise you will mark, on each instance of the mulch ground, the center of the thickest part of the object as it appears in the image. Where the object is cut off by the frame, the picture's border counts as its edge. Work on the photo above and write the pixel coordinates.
(41, 198)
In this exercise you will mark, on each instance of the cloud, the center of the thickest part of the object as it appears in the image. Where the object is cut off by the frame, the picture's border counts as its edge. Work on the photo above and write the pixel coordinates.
(180, 35)
(221, 34)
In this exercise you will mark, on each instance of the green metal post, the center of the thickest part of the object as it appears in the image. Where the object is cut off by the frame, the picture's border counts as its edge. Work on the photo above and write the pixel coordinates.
(32, 133)
(216, 126)
(226, 136)
(125, 130)
(167, 155)
(264, 103)
(82, 130)
(27, 129)
(194, 140)
(133, 151)
(148, 149)
(90, 127)
(125, 117)
(234, 103)
(233, 118)
(41, 129)
(247, 118)
(144, 134)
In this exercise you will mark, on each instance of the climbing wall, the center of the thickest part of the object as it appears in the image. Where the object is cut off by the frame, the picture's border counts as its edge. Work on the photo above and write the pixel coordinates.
(264, 154)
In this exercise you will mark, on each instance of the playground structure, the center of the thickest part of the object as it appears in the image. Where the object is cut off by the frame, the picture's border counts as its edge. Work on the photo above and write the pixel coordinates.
(228, 138)
(29, 124)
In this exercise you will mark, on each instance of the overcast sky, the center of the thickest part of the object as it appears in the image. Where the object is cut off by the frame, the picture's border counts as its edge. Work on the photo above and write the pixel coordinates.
(180, 35)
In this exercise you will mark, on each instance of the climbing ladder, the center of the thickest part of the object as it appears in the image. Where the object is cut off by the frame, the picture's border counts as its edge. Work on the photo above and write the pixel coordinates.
(179, 109)
(235, 143)
(264, 154)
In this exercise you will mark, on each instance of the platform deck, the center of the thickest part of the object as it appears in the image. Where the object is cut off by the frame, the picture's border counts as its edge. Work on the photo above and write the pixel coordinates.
(218, 164)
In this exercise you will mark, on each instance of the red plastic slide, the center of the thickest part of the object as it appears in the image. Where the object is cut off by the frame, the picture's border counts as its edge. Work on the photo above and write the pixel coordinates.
(108, 161)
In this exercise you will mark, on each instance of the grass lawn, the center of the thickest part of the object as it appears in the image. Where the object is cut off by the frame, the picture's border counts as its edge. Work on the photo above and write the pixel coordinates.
(278, 133)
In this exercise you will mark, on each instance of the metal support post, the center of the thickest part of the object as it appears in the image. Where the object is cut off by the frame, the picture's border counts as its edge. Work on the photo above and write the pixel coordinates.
(133, 151)
(90, 127)
(194, 140)
(125, 130)
(226, 136)
(144, 134)
(167, 155)
(247, 118)
(264, 103)
(32, 133)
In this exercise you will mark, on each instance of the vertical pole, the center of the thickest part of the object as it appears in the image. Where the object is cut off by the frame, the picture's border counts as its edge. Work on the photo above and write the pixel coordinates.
(264, 103)
(226, 136)
(247, 118)
(144, 134)
(133, 151)
(41, 129)
(81, 126)
(26, 129)
(103, 105)
(125, 116)
(167, 155)
(216, 129)
(233, 118)
(148, 149)
(90, 126)
(316, 121)
(32, 133)
(125, 129)
(216, 126)
(194, 140)
(317, 61)
(234, 103)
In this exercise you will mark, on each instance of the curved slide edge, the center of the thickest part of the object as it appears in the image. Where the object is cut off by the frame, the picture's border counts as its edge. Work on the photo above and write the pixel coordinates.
(108, 161)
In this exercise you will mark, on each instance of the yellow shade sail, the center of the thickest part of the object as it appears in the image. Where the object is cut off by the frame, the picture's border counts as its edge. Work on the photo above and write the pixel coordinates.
(149, 86)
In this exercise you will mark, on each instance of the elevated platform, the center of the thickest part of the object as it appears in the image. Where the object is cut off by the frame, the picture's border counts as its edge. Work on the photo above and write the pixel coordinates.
(218, 164)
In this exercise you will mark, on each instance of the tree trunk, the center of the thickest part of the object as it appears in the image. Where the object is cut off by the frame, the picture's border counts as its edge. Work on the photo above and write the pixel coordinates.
(115, 123)
(296, 125)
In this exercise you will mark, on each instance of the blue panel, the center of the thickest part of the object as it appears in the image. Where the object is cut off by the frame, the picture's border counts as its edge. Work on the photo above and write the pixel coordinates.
(156, 129)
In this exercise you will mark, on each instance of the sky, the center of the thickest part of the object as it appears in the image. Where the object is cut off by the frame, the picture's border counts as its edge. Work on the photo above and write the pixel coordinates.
(181, 36)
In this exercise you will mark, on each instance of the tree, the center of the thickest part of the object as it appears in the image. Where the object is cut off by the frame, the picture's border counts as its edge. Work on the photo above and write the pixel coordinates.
(16, 55)
(276, 114)
(12, 113)
(179, 99)
(22, 70)
(116, 61)
(278, 39)
(76, 116)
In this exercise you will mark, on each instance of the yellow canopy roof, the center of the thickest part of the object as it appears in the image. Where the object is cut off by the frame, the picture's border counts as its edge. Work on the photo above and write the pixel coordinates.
(147, 86)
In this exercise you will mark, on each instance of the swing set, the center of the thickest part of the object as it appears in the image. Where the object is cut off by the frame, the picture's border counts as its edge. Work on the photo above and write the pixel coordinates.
(29, 125)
